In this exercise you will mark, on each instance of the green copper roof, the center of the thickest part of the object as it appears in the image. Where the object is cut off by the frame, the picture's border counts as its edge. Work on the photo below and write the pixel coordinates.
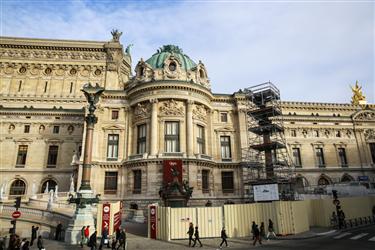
(157, 59)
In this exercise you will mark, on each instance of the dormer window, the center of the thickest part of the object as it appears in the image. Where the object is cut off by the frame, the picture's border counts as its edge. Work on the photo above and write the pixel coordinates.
(201, 73)
(142, 71)
(172, 66)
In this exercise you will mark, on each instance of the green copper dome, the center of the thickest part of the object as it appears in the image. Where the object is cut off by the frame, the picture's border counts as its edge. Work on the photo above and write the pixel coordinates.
(157, 60)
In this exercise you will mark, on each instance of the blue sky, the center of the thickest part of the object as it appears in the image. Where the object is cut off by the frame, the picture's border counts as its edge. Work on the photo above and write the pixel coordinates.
(312, 50)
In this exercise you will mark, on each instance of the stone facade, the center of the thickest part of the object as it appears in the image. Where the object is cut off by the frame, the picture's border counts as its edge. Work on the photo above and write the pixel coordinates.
(165, 111)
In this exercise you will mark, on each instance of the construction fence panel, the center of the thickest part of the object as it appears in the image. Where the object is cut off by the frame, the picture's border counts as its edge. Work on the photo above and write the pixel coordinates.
(300, 216)
(180, 219)
(163, 223)
(210, 221)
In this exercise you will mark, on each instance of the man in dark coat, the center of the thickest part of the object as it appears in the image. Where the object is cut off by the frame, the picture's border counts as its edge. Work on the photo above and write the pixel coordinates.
(92, 241)
(104, 240)
(191, 233)
(196, 234)
(122, 240)
(252, 229)
(34, 231)
(223, 237)
(58, 231)
(257, 235)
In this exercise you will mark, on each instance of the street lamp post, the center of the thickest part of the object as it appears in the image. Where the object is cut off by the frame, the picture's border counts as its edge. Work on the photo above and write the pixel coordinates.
(84, 198)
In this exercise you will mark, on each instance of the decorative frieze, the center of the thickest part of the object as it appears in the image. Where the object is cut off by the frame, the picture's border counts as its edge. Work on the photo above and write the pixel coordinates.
(200, 112)
(141, 111)
(55, 55)
(171, 108)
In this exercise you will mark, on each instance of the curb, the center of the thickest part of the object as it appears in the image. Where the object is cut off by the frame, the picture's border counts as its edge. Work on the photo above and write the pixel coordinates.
(309, 237)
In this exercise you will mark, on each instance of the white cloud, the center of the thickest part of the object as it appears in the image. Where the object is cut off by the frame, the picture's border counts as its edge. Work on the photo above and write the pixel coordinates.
(311, 51)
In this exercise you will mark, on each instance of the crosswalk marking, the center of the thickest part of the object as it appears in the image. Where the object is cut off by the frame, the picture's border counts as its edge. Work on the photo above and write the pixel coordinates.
(372, 239)
(341, 235)
(358, 236)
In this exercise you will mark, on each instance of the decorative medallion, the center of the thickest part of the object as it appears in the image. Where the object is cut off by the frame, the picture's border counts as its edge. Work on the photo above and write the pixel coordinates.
(48, 71)
(22, 70)
(171, 108)
(98, 72)
(73, 72)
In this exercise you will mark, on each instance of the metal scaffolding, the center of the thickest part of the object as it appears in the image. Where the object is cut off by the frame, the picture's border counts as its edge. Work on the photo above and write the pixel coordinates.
(266, 157)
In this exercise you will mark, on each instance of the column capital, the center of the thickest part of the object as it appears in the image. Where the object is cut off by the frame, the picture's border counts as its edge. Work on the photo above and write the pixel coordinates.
(190, 102)
(154, 100)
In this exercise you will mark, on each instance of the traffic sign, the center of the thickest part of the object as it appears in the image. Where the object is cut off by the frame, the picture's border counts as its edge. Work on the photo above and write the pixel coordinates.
(16, 214)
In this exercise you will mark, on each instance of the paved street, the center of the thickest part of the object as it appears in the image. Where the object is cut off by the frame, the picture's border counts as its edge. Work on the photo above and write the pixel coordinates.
(361, 238)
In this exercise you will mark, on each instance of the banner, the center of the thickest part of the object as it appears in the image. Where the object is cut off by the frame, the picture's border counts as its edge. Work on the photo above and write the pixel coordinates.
(171, 168)
(153, 222)
(106, 216)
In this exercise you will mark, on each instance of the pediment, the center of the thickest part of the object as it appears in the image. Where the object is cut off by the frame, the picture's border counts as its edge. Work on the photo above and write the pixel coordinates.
(225, 129)
(364, 115)
(24, 140)
(114, 127)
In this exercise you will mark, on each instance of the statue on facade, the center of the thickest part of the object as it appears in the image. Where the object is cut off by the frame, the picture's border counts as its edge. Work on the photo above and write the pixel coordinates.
(71, 189)
(46, 189)
(358, 97)
(56, 192)
(116, 35)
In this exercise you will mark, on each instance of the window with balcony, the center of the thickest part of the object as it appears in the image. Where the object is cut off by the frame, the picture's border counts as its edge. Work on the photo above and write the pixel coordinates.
(141, 138)
(110, 183)
(112, 147)
(172, 137)
(52, 156)
(137, 182)
(226, 154)
(227, 183)
(342, 157)
(21, 156)
(201, 142)
(297, 157)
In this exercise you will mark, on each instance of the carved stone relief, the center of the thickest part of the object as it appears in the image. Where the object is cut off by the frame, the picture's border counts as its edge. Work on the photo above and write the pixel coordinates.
(370, 135)
(366, 115)
(172, 108)
(142, 111)
(200, 112)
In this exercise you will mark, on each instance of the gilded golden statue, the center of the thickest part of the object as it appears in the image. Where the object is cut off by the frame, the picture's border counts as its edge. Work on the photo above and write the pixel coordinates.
(358, 97)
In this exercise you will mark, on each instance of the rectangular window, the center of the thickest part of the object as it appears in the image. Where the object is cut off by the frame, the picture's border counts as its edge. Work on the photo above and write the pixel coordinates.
(112, 148)
(21, 156)
(56, 129)
(320, 157)
(342, 157)
(227, 182)
(114, 114)
(297, 157)
(201, 142)
(225, 148)
(26, 129)
(293, 133)
(172, 137)
(110, 183)
(137, 184)
(224, 117)
(205, 181)
(52, 156)
(372, 151)
(141, 138)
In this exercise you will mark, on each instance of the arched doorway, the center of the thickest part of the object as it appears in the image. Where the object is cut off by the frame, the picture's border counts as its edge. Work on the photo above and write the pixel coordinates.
(51, 185)
(301, 183)
(346, 178)
(323, 181)
(18, 187)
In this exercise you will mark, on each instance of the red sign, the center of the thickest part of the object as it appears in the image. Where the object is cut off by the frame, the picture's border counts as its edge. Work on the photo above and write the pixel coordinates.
(16, 214)
(116, 220)
(172, 169)
(106, 216)
(153, 222)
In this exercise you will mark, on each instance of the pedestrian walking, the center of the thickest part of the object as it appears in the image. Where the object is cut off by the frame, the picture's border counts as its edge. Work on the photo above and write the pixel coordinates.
(39, 243)
(252, 229)
(190, 232)
(196, 235)
(87, 234)
(34, 232)
(25, 246)
(262, 230)
(122, 240)
(113, 243)
(92, 241)
(58, 231)
(104, 239)
(83, 238)
(257, 235)
(223, 237)
(270, 229)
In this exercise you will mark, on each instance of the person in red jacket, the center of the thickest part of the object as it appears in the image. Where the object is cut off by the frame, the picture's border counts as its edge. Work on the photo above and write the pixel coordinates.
(87, 233)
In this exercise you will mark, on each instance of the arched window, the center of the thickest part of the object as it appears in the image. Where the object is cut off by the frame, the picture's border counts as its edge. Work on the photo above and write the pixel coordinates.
(346, 178)
(51, 185)
(201, 73)
(18, 187)
(323, 181)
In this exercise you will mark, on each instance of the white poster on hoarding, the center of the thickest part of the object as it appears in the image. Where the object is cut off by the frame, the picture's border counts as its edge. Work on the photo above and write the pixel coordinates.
(268, 192)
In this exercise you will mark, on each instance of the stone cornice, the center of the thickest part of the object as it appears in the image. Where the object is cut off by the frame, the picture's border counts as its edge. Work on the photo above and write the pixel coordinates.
(321, 106)
(41, 111)
(307, 118)
(51, 44)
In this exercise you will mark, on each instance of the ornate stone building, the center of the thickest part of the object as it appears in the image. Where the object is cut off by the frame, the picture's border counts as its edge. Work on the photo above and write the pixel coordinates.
(166, 110)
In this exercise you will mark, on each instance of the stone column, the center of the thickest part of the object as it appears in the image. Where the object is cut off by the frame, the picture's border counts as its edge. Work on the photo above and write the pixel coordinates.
(154, 128)
(189, 129)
